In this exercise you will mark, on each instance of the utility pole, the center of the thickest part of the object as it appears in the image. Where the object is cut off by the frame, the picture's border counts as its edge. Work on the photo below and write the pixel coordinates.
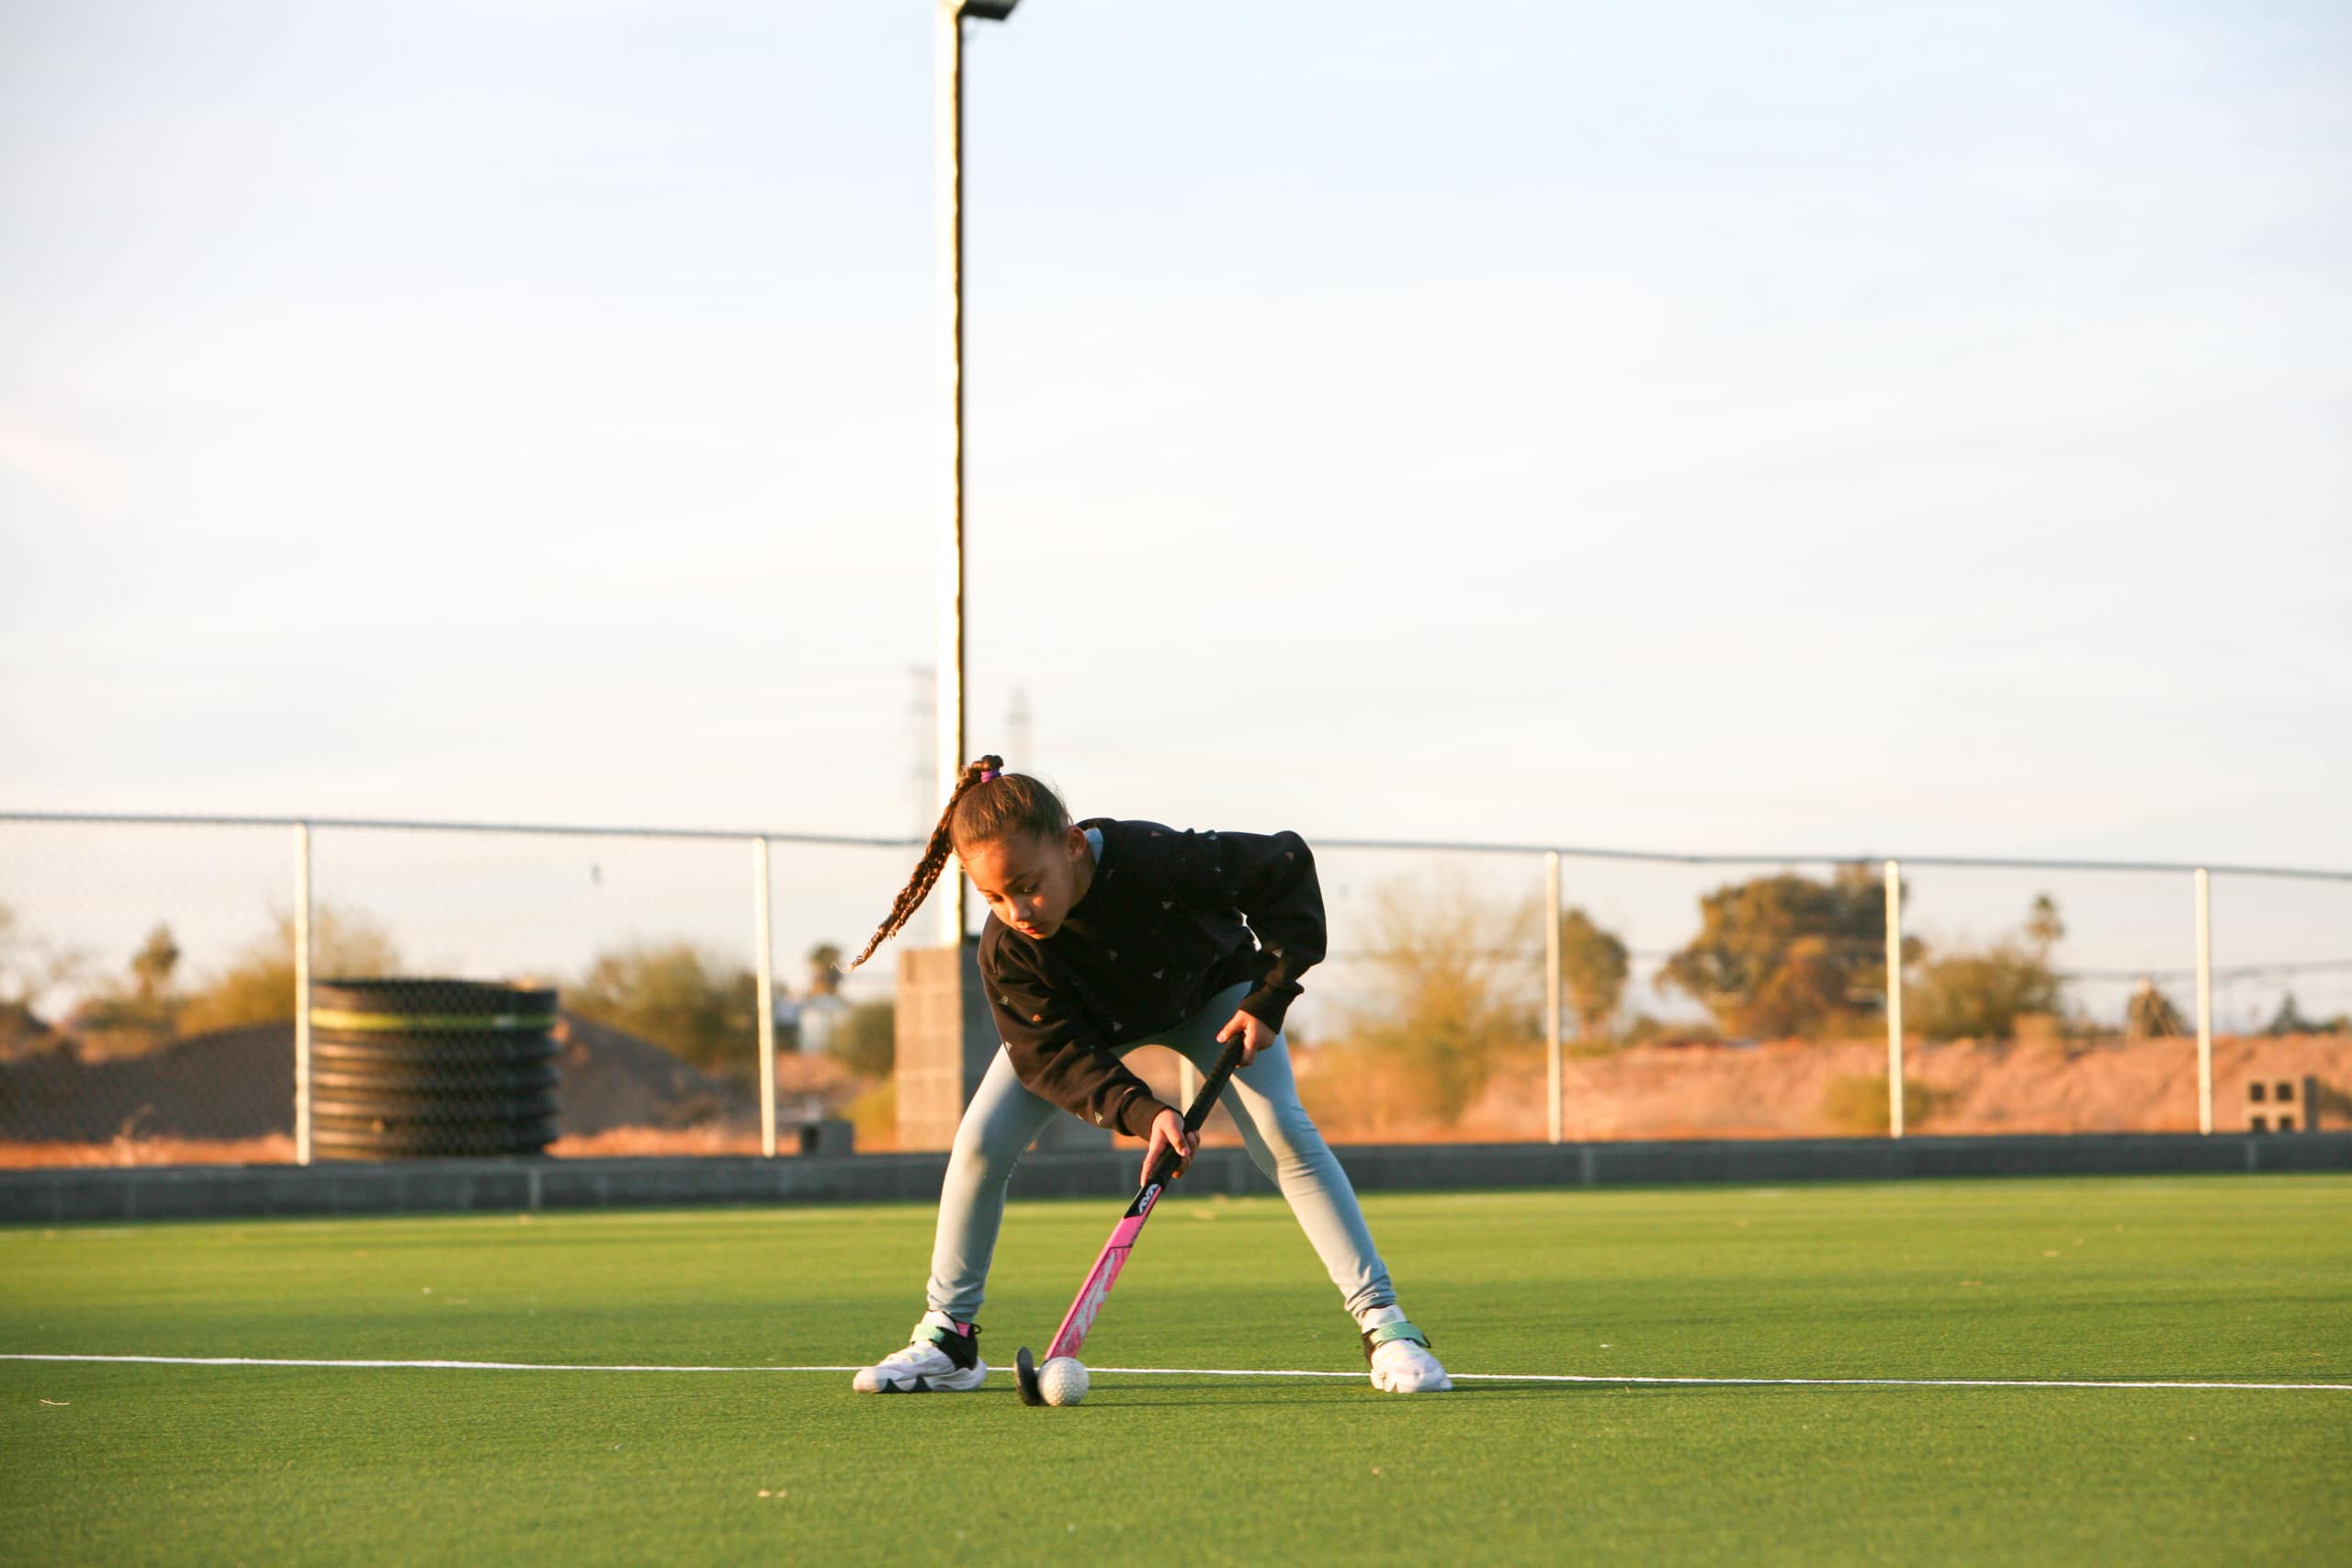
(945, 1036)
(949, 64)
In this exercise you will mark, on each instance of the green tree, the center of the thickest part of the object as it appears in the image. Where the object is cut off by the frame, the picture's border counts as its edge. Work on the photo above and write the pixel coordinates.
(153, 965)
(689, 1002)
(2151, 1015)
(1786, 955)
(1453, 982)
(866, 1040)
(130, 1017)
(2289, 1019)
(258, 984)
(1981, 994)
(1592, 970)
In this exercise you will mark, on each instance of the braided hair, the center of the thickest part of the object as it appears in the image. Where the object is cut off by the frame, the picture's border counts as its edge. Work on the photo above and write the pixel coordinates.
(988, 806)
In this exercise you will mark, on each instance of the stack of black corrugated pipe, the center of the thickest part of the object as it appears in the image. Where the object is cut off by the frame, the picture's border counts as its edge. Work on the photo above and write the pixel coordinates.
(411, 1069)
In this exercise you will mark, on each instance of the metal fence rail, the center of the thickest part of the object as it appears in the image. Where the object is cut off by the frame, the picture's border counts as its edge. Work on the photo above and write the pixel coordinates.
(1435, 846)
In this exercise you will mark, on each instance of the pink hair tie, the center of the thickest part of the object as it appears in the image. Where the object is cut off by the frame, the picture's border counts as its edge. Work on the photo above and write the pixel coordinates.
(989, 773)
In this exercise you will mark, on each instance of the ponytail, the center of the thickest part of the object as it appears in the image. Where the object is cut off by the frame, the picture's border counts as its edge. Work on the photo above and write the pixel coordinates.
(987, 804)
(934, 857)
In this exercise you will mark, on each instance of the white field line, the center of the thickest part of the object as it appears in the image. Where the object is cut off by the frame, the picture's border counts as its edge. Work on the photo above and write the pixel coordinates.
(1212, 1372)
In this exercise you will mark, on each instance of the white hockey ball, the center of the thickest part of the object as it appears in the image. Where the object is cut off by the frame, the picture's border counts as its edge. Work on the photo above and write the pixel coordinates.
(1062, 1380)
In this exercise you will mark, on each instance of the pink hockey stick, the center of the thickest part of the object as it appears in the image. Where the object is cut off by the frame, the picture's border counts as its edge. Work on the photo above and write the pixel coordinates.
(1105, 1272)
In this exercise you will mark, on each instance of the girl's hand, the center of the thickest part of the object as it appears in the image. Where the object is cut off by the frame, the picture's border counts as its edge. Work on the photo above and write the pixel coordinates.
(1255, 1036)
(1168, 1133)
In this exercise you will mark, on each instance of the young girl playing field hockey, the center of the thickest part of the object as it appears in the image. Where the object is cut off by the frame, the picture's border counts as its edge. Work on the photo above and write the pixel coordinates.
(1104, 936)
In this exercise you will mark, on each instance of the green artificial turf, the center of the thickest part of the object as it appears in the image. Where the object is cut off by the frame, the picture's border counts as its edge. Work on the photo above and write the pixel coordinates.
(2236, 1278)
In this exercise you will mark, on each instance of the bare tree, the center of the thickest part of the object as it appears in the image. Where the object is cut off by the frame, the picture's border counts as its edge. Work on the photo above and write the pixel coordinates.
(1455, 973)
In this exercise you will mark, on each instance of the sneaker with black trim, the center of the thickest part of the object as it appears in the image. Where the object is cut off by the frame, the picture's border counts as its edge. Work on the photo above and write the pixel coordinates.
(944, 1358)
(1400, 1354)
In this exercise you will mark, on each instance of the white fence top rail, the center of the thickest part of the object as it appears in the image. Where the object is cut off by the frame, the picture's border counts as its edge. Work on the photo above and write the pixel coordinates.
(1656, 857)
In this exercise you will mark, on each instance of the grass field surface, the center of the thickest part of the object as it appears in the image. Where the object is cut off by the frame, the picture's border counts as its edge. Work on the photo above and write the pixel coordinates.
(2232, 1280)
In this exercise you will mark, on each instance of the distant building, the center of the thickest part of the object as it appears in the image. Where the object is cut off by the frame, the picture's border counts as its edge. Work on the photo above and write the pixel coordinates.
(821, 1015)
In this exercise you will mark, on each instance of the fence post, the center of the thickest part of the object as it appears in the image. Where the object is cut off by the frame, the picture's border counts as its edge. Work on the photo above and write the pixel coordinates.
(763, 946)
(301, 993)
(2204, 1002)
(1893, 1000)
(1551, 993)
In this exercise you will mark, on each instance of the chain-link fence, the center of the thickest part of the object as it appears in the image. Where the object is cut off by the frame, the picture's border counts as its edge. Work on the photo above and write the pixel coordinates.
(1749, 997)
(474, 989)
(505, 989)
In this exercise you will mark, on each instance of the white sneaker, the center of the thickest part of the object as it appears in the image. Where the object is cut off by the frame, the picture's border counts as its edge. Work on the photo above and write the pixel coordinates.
(944, 1358)
(1400, 1354)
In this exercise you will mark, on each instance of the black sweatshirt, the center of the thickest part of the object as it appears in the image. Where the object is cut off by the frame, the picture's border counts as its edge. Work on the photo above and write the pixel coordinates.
(1158, 934)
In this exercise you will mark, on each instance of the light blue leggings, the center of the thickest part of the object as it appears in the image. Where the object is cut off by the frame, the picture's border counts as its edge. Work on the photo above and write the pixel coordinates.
(1004, 1119)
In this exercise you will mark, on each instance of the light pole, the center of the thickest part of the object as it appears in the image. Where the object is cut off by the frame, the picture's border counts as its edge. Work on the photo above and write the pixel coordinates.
(949, 182)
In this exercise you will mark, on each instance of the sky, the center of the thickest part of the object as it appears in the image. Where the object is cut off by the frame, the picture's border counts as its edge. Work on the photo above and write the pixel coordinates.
(1836, 429)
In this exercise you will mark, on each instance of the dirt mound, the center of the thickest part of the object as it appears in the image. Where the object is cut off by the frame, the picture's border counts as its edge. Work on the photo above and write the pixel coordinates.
(611, 1079)
(232, 1084)
(238, 1084)
(1784, 1090)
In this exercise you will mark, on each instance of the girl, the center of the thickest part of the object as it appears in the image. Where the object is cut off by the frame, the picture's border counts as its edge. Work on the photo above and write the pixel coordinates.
(1104, 936)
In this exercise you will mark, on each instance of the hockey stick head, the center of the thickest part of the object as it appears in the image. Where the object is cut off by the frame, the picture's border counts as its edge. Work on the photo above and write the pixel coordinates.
(1024, 1377)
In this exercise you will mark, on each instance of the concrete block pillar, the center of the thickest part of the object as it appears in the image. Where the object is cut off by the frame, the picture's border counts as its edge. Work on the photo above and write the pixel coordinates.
(946, 1038)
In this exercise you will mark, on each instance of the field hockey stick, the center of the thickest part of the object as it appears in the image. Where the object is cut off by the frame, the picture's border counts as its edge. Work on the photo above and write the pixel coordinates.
(1105, 1272)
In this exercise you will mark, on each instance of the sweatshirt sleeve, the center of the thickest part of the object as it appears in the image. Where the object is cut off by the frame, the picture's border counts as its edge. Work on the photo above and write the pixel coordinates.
(1054, 1054)
(1271, 879)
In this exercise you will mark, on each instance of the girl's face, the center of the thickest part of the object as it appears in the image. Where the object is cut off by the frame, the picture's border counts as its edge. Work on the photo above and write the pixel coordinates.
(1031, 882)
